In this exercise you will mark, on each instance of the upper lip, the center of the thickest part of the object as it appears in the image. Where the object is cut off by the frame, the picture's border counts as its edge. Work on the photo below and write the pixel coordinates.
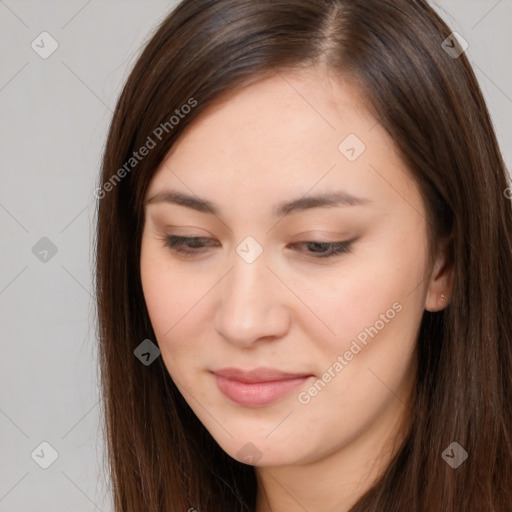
(258, 374)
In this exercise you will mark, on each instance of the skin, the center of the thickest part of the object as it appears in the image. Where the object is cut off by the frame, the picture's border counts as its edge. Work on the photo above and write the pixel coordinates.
(273, 141)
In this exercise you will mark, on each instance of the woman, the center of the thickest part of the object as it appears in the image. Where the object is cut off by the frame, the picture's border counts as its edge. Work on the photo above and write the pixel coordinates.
(303, 212)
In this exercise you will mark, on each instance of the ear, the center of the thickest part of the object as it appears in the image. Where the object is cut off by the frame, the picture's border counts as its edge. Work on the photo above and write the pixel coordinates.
(441, 279)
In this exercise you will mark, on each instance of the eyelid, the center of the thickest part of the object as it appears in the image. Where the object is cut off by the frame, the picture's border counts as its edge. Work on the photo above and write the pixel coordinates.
(176, 243)
(339, 248)
(188, 231)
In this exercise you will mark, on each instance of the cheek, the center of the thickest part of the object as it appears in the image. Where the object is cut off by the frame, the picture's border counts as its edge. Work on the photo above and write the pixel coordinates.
(368, 364)
(174, 299)
(371, 298)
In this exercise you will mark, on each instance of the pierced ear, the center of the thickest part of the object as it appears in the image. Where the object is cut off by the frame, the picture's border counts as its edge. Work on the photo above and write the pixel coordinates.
(440, 286)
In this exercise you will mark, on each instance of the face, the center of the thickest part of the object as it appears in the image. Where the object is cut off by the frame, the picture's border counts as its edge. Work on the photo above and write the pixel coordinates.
(287, 290)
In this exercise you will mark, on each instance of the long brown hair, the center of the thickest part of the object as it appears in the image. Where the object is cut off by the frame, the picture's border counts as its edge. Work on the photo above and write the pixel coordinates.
(161, 458)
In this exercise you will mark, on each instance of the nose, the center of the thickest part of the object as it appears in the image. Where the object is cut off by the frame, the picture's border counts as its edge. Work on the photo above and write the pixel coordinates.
(252, 305)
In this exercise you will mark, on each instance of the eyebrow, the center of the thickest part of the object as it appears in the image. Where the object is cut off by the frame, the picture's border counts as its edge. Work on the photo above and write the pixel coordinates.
(327, 200)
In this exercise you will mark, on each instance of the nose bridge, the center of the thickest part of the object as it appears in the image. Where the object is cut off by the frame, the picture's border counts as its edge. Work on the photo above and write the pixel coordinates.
(246, 280)
(249, 306)
(250, 271)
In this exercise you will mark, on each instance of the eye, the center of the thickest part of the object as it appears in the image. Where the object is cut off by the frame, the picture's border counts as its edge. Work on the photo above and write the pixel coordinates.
(326, 249)
(194, 245)
(186, 245)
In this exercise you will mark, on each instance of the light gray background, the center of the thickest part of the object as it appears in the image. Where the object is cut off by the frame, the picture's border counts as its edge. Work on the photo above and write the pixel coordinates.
(54, 118)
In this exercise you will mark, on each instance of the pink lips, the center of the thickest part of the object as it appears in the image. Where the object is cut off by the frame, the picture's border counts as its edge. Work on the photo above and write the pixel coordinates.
(257, 387)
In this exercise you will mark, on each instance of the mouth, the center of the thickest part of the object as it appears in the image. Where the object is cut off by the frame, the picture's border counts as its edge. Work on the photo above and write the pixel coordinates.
(257, 387)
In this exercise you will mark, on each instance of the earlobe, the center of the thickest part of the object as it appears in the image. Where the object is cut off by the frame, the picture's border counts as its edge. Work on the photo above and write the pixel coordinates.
(440, 286)
(437, 303)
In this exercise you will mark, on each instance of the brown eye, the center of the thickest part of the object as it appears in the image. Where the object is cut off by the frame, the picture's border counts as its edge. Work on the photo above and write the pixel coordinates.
(326, 249)
(186, 245)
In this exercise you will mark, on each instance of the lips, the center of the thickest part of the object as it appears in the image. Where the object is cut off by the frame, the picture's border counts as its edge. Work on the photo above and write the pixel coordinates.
(257, 387)
(258, 374)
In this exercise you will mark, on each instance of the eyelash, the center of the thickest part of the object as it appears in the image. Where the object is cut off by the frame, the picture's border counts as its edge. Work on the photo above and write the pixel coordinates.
(176, 244)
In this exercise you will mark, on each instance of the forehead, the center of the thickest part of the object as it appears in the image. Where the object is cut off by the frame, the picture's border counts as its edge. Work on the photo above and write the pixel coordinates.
(282, 108)
(288, 132)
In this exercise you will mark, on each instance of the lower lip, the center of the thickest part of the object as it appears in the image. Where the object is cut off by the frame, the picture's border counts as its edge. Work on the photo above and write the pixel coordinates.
(256, 394)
